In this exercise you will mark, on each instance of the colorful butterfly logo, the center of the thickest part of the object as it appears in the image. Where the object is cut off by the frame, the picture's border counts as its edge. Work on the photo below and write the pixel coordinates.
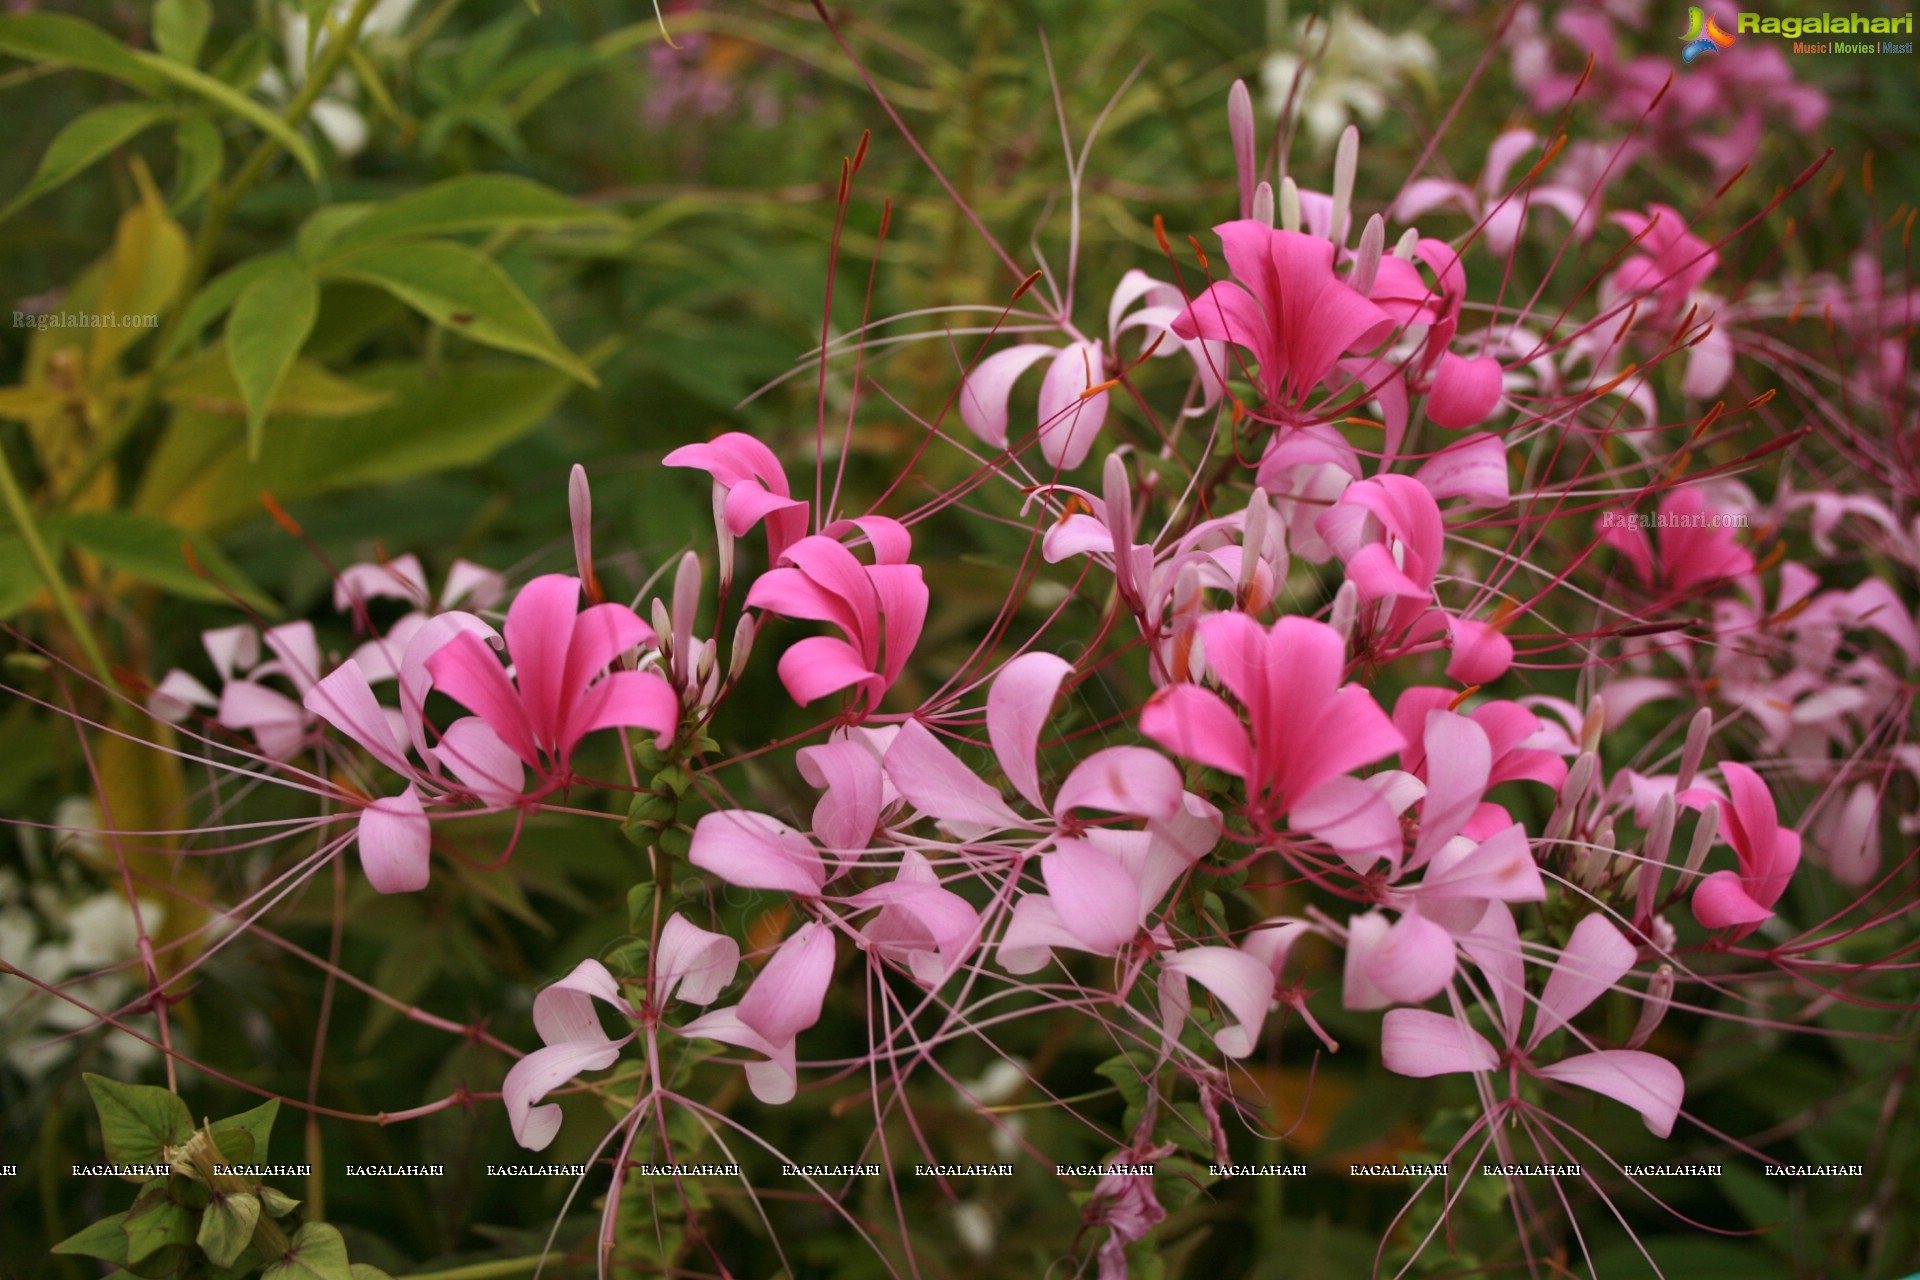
(1704, 35)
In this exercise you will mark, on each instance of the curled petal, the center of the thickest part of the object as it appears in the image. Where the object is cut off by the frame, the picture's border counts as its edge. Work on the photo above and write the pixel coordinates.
(1405, 962)
(1464, 391)
(396, 842)
(1095, 898)
(1125, 780)
(1069, 418)
(787, 996)
(935, 781)
(984, 395)
(540, 1073)
(1722, 902)
(1420, 1043)
(1649, 1084)
(1481, 651)
(1198, 725)
(756, 851)
(485, 765)
(1033, 931)
(1017, 706)
(1596, 957)
(695, 963)
(1240, 982)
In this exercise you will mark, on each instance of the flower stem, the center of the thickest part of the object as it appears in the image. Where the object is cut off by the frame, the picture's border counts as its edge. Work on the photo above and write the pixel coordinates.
(42, 557)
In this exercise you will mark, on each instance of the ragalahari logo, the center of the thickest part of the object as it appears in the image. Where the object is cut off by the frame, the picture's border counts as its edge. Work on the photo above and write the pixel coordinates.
(1704, 35)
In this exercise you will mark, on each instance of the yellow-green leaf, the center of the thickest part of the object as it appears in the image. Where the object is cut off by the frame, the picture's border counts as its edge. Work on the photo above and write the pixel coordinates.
(464, 290)
(148, 263)
(85, 140)
(225, 96)
(199, 155)
(270, 320)
(205, 381)
(318, 1253)
(66, 41)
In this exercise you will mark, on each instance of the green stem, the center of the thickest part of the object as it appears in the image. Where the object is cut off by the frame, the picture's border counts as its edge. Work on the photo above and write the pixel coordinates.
(37, 551)
(220, 206)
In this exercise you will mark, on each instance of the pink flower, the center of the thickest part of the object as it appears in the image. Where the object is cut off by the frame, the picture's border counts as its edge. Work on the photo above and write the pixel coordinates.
(784, 1000)
(878, 610)
(1500, 211)
(560, 690)
(1420, 1043)
(749, 486)
(1697, 544)
(1306, 729)
(1288, 310)
(1768, 854)
(692, 963)
(279, 725)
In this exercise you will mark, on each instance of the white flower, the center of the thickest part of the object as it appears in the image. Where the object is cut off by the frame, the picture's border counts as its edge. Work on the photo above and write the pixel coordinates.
(1359, 66)
(336, 112)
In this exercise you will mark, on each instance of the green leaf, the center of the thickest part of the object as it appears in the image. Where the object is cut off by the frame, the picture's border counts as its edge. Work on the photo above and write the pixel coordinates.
(150, 549)
(236, 1146)
(476, 202)
(71, 42)
(216, 296)
(180, 28)
(205, 382)
(258, 1124)
(137, 1122)
(105, 1239)
(277, 1203)
(19, 580)
(464, 290)
(270, 320)
(318, 1253)
(85, 140)
(225, 96)
(365, 1271)
(640, 908)
(226, 1228)
(200, 155)
(198, 477)
(153, 1223)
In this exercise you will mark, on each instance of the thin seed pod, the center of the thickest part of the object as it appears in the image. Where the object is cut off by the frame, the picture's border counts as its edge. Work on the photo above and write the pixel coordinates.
(1654, 1008)
(1699, 729)
(1346, 164)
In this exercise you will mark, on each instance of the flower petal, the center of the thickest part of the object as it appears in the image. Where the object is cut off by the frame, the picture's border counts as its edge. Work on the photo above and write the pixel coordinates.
(787, 996)
(1017, 706)
(984, 394)
(694, 963)
(935, 781)
(756, 851)
(1241, 983)
(1095, 898)
(396, 842)
(1649, 1084)
(1596, 957)
(1421, 1043)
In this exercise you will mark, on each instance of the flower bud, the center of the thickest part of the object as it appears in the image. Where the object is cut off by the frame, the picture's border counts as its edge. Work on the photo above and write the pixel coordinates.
(1346, 604)
(1658, 844)
(1699, 729)
(1593, 724)
(1409, 241)
(686, 605)
(742, 649)
(1346, 163)
(1654, 1008)
(1263, 204)
(1289, 205)
(1703, 837)
(1366, 261)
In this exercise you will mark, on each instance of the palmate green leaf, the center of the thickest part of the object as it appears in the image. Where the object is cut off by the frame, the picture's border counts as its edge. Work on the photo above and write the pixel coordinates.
(180, 28)
(318, 1253)
(84, 141)
(153, 1223)
(270, 320)
(137, 1122)
(150, 549)
(475, 202)
(105, 1239)
(464, 290)
(226, 1228)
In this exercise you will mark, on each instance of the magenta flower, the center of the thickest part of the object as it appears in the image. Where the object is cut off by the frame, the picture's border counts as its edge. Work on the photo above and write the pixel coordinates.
(1768, 854)
(1288, 309)
(1696, 544)
(1306, 730)
(1420, 1043)
(878, 610)
(560, 690)
(749, 486)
